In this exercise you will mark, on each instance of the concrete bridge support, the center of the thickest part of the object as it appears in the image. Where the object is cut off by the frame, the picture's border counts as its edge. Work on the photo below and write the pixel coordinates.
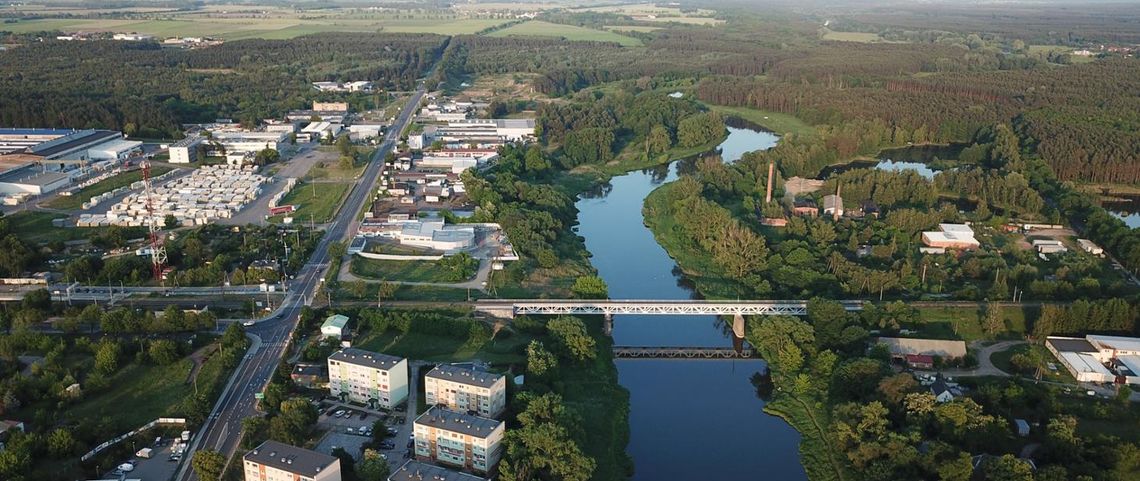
(608, 325)
(738, 326)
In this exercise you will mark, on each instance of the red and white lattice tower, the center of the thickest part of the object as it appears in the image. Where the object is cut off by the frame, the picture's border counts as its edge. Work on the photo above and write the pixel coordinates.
(157, 249)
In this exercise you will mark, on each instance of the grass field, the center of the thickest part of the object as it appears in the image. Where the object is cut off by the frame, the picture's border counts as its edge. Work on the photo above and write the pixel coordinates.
(268, 28)
(631, 28)
(503, 349)
(538, 28)
(965, 323)
(150, 391)
(77, 199)
(317, 202)
(774, 121)
(408, 271)
(36, 227)
(860, 37)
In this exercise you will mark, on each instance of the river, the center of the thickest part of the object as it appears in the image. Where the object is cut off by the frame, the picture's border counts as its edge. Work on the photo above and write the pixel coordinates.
(689, 420)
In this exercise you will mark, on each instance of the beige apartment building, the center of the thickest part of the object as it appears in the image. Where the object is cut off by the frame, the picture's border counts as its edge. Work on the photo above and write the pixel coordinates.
(368, 377)
(462, 389)
(274, 461)
(459, 440)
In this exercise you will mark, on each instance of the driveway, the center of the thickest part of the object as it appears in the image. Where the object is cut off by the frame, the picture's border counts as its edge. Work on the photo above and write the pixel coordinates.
(985, 365)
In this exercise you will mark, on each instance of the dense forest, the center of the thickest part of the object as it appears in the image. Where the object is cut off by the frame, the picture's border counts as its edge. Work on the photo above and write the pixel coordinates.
(151, 90)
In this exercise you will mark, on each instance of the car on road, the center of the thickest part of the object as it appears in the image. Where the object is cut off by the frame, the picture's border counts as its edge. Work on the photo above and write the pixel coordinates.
(387, 445)
(248, 323)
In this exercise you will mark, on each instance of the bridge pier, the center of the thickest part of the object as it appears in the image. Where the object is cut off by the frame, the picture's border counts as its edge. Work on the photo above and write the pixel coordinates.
(738, 326)
(608, 325)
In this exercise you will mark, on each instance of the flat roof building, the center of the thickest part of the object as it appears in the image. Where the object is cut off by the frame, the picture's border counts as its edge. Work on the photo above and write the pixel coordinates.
(417, 471)
(368, 377)
(458, 439)
(185, 150)
(274, 461)
(951, 236)
(462, 389)
(1080, 358)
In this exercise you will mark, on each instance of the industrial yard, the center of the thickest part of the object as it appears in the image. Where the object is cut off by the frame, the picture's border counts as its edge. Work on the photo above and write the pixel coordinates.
(210, 193)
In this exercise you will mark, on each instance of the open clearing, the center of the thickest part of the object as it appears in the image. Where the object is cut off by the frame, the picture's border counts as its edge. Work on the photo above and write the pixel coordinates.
(538, 28)
(775, 121)
(860, 37)
(316, 202)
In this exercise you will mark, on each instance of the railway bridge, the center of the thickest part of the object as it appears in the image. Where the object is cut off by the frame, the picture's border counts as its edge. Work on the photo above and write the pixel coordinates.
(510, 308)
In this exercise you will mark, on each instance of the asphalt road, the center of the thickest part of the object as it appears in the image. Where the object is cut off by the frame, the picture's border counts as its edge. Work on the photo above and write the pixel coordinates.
(220, 432)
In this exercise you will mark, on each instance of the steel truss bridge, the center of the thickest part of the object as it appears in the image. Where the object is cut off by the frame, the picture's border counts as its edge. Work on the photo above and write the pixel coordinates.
(517, 307)
(649, 352)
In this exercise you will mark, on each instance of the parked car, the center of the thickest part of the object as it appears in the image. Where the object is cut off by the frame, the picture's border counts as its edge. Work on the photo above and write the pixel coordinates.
(363, 415)
(339, 413)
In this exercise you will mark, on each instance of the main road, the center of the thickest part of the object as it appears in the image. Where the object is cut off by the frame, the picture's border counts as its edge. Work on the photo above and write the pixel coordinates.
(220, 431)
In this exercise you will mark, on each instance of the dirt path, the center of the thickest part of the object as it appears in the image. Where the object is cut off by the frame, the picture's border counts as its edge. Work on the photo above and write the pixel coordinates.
(199, 357)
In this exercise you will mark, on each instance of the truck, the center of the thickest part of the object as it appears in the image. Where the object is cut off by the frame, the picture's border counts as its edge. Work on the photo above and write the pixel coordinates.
(144, 453)
(185, 436)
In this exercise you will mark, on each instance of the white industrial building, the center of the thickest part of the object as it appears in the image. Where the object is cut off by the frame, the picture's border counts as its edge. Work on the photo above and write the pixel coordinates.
(319, 130)
(1090, 247)
(244, 141)
(1097, 358)
(951, 236)
(433, 234)
(40, 161)
(502, 130)
(184, 151)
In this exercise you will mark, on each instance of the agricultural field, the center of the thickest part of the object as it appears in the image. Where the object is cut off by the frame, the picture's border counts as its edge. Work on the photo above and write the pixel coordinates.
(268, 27)
(861, 37)
(538, 28)
(654, 13)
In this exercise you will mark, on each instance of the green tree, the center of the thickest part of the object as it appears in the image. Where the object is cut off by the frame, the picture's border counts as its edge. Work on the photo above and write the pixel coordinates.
(1007, 468)
(539, 361)
(700, 129)
(535, 161)
(60, 443)
(107, 357)
(957, 469)
(254, 431)
(993, 323)
(163, 351)
(658, 141)
(590, 287)
(542, 448)
(372, 467)
(208, 464)
(571, 335)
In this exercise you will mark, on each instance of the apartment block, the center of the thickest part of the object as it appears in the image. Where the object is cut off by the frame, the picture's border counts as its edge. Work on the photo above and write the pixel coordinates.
(459, 440)
(363, 376)
(461, 389)
(274, 461)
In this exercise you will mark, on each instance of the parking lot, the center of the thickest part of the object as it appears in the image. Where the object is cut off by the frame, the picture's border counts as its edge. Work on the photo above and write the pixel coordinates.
(344, 431)
(158, 467)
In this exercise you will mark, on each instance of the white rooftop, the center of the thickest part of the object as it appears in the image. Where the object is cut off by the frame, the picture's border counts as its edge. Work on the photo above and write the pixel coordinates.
(1085, 363)
(1115, 343)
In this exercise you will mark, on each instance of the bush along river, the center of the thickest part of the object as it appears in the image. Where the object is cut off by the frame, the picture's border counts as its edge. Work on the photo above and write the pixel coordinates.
(689, 419)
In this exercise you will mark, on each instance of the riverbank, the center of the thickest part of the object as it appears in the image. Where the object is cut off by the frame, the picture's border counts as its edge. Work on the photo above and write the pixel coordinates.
(805, 413)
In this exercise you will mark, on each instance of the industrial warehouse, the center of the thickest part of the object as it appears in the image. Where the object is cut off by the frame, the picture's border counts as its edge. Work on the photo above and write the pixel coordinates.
(41, 161)
(1095, 358)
